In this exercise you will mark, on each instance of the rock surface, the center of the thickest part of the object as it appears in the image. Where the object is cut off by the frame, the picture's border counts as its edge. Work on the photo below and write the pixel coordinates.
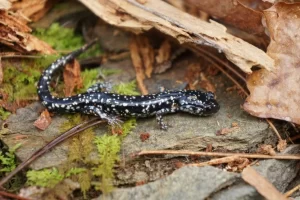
(185, 183)
(187, 132)
(279, 172)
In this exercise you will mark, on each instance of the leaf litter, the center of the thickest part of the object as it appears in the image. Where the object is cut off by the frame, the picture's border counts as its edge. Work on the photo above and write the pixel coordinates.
(143, 55)
(276, 94)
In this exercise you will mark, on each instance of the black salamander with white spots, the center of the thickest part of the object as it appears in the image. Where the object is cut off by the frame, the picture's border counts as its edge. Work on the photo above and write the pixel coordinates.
(110, 106)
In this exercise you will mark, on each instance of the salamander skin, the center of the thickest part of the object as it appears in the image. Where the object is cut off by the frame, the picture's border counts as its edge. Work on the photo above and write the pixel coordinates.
(110, 106)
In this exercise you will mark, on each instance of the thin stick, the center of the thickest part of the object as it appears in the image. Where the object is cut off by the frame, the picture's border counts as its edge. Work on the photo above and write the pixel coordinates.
(10, 195)
(71, 132)
(207, 53)
(224, 72)
(216, 161)
(219, 154)
(274, 129)
(290, 192)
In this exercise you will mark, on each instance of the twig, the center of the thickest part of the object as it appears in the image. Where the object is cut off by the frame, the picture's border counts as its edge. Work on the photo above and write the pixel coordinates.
(290, 192)
(216, 161)
(224, 72)
(221, 62)
(295, 137)
(10, 195)
(218, 154)
(274, 129)
(71, 132)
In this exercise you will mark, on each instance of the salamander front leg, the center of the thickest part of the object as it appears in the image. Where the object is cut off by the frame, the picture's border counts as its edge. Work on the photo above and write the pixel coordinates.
(112, 120)
(102, 87)
(160, 121)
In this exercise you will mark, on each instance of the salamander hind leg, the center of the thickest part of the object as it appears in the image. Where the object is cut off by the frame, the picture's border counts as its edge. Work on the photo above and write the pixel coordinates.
(111, 119)
(102, 87)
(160, 120)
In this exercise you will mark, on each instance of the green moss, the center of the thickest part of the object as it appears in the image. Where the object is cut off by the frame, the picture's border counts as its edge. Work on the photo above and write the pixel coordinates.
(107, 72)
(108, 147)
(44, 178)
(50, 177)
(8, 159)
(20, 82)
(126, 88)
(74, 171)
(89, 78)
(4, 114)
(65, 39)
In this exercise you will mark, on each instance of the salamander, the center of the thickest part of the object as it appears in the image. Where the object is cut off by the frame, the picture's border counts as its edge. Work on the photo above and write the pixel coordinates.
(111, 106)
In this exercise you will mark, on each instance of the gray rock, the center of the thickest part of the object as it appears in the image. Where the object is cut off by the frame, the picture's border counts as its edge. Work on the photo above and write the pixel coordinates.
(280, 173)
(187, 132)
(185, 183)
(21, 129)
(194, 133)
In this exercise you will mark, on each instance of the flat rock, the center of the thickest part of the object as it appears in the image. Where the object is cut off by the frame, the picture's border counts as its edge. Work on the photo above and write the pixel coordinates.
(186, 132)
(194, 133)
(279, 172)
(184, 183)
(21, 130)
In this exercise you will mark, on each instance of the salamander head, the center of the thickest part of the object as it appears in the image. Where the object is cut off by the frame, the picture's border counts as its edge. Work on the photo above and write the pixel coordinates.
(198, 103)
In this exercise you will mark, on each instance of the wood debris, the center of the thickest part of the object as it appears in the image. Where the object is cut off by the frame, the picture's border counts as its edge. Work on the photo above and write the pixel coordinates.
(31, 10)
(131, 15)
(16, 35)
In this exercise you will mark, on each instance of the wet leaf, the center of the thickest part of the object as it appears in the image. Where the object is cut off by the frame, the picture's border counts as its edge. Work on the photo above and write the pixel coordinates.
(72, 78)
(277, 94)
(43, 121)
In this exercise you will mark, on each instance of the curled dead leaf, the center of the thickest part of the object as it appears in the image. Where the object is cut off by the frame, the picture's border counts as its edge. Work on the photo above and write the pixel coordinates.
(277, 94)
(43, 121)
(72, 78)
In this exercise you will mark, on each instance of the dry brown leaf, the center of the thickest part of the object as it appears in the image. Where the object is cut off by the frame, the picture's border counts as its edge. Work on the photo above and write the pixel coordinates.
(281, 145)
(195, 77)
(262, 185)
(243, 14)
(138, 18)
(266, 149)
(72, 78)
(277, 94)
(43, 121)
(16, 35)
(238, 165)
